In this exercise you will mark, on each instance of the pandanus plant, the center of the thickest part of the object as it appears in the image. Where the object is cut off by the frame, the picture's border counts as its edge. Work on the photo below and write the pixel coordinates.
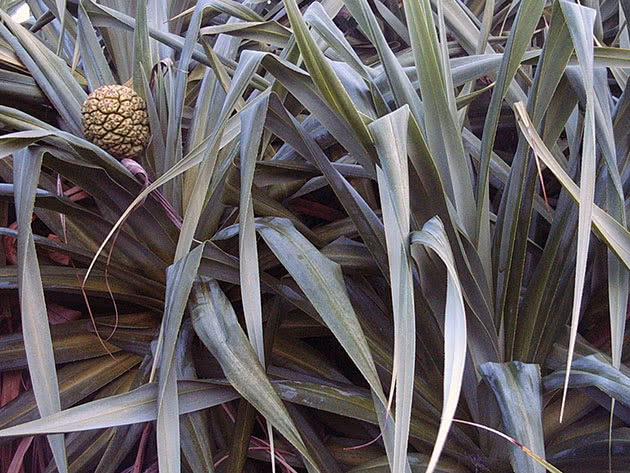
(354, 235)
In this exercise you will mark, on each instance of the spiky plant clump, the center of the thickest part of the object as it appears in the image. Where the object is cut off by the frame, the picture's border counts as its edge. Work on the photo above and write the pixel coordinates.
(359, 211)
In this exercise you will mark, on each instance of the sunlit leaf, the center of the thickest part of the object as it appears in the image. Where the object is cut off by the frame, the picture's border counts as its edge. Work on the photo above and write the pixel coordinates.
(390, 139)
(434, 237)
(139, 405)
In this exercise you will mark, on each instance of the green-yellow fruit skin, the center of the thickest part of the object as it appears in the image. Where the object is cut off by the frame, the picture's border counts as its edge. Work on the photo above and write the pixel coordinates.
(115, 118)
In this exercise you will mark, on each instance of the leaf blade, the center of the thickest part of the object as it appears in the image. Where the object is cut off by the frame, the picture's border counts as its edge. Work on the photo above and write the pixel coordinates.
(35, 326)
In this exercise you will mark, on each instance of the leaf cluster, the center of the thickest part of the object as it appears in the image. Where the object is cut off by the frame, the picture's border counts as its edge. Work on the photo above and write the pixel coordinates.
(365, 236)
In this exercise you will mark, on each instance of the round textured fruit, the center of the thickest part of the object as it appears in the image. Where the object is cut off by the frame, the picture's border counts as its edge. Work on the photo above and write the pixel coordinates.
(115, 118)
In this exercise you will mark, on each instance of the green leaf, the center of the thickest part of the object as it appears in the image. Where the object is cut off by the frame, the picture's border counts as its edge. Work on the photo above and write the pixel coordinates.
(300, 84)
(322, 282)
(268, 32)
(179, 281)
(390, 139)
(327, 82)
(68, 279)
(368, 224)
(351, 402)
(20, 88)
(595, 371)
(400, 85)
(550, 99)
(197, 198)
(524, 449)
(61, 15)
(594, 450)
(318, 19)
(514, 217)
(76, 382)
(193, 158)
(440, 121)
(123, 438)
(139, 405)
(251, 135)
(580, 21)
(518, 41)
(130, 253)
(173, 149)
(71, 342)
(608, 229)
(393, 19)
(483, 340)
(152, 227)
(216, 325)
(102, 15)
(434, 237)
(142, 61)
(95, 65)
(49, 71)
(195, 429)
(517, 388)
(32, 130)
(321, 454)
(231, 8)
(35, 327)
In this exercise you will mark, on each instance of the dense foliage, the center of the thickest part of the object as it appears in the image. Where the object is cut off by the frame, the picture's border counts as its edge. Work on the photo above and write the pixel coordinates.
(364, 236)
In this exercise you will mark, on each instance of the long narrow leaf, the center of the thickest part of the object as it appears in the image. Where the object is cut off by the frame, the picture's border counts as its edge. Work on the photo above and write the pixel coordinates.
(216, 325)
(142, 63)
(139, 405)
(434, 237)
(51, 73)
(580, 21)
(325, 79)
(76, 382)
(443, 137)
(520, 36)
(252, 129)
(321, 281)
(369, 226)
(97, 70)
(35, 327)
(179, 281)
(613, 235)
(251, 136)
(390, 138)
(197, 198)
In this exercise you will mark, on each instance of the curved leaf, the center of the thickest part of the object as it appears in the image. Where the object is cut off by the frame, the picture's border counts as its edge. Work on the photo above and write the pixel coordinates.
(216, 325)
(434, 237)
(592, 370)
(390, 139)
(35, 327)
